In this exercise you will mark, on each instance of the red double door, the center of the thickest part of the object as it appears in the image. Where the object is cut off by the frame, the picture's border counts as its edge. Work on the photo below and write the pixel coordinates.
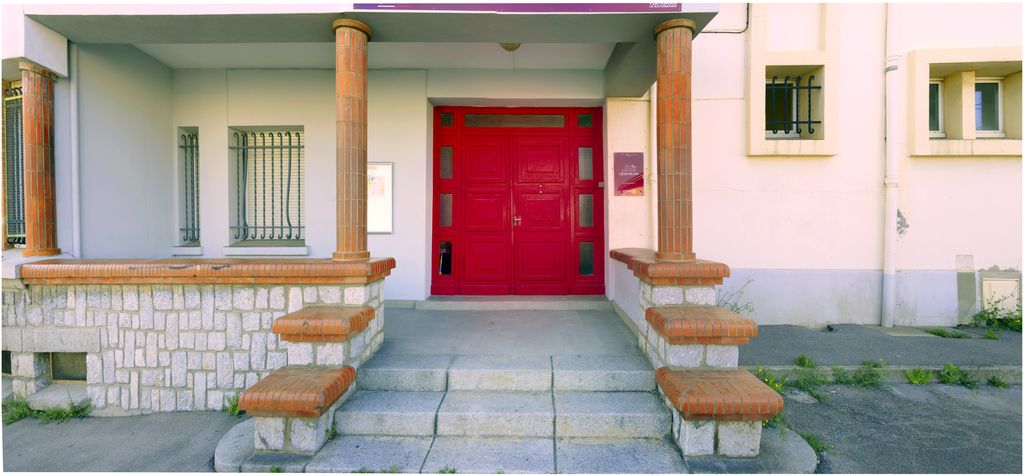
(518, 203)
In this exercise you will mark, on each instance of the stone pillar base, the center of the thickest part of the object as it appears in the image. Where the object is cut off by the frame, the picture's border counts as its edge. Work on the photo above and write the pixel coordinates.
(295, 434)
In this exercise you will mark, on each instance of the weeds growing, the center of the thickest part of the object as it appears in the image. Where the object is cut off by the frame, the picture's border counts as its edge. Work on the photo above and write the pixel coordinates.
(448, 470)
(232, 407)
(17, 409)
(818, 445)
(994, 316)
(997, 382)
(991, 334)
(803, 360)
(947, 334)
(953, 375)
(769, 378)
(918, 376)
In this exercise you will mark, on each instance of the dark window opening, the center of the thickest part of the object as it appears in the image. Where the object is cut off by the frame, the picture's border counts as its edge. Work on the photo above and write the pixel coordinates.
(585, 120)
(788, 106)
(515, 120)
(7, 362)
(68, 366)
(934, 124)
(586, 258)
(445, 258)
(447, 119)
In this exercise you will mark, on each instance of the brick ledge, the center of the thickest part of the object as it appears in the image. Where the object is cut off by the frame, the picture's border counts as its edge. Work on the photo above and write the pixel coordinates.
(205, 271)
(684, 273)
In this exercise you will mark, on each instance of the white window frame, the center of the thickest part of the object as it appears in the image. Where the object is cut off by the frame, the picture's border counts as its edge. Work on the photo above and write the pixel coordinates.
(941, 133)
(792, 133)
(1000, 132)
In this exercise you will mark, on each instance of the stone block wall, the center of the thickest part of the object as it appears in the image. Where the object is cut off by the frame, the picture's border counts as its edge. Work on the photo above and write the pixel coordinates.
(161, 348)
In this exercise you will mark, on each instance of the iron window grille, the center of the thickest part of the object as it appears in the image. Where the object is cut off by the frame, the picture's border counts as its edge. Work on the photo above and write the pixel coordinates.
(785, 116)
(188, 147)
(268, 168)
(14, 166)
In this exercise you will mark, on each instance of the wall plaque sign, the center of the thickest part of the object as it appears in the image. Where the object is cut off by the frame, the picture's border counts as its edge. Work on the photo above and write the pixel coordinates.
(629, 174)
(380, 196)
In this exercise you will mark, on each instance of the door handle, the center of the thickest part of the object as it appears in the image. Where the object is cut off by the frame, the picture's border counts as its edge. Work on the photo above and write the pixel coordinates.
(516, 221)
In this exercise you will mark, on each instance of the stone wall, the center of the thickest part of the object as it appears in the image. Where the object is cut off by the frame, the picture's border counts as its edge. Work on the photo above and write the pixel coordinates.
(163, 348)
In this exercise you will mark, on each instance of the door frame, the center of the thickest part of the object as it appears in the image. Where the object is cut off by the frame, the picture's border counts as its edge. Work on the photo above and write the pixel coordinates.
(452, 134)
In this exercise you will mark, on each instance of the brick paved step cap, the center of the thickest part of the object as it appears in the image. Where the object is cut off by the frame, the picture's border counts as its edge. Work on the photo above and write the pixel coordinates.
(297, 391)
(701, 325)
(323, 323)
(719, 394)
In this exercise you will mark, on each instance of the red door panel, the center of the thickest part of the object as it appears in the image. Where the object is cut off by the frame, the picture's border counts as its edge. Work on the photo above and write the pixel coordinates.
(517, 223)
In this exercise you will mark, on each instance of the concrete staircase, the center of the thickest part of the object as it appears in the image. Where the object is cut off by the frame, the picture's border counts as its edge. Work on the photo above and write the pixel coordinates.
(489, 413)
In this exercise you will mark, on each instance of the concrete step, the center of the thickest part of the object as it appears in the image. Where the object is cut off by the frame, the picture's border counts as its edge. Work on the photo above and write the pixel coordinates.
(519, 414)
(409, 373)
(437, 373)
(388, 413)
(528, 373)
(59, 396)
(611, 415)
(606, 373)
(515, 303)
(475, 455)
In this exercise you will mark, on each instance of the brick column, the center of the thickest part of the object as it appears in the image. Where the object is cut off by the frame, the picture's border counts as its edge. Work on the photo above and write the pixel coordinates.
(675, 189)
(351, 37)
(40, 201)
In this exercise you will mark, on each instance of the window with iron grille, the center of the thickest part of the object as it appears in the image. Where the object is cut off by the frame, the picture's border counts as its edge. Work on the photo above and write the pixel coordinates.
(267, 185)
(14, 167)
(188, 171)
(792, 107)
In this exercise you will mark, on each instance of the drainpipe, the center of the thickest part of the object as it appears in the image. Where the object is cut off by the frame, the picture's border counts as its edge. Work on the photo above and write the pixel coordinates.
(76, 204)
(652, 171)
(892, 136)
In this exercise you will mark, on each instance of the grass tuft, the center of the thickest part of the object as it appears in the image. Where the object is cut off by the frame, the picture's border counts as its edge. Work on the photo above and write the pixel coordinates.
(840, 376)
(803, 360)
(997, 382)
(16, 410)
(953, 375)
(276, 469)
(390, 469)
(869, 373)
(232, 406)
(816, 443)
(448, 470)
(778, 421)
(947, 334)
(809, 381)
(991, 334)
(918, 376)
(769, 378)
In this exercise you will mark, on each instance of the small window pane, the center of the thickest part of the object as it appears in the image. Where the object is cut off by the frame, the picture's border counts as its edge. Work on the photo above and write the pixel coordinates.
(447, 119)
(7, 362)
(986, 106)
(586, 258)
(444, 254)
(586, 205)
(586, 163)
(446, 209)
(933, 107)
(446, 162)
(778, 107)
(515, 120)
(585, 120)
(68, 366)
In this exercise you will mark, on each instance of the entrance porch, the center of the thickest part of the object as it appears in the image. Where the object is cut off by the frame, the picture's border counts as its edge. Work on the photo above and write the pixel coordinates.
(529, 390)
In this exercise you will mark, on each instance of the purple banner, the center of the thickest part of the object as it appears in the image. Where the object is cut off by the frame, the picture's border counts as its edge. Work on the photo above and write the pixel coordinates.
(629, 174)
(527, 7)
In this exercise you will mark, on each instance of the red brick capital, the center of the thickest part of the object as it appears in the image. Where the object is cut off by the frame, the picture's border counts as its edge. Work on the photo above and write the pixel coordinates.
(351, 37)
(675, 188)
(40, 197)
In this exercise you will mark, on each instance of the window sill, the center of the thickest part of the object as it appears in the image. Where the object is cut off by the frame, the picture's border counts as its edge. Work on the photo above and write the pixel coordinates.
(250, 250)
(799, 147)
(970, 147)
(187, 251)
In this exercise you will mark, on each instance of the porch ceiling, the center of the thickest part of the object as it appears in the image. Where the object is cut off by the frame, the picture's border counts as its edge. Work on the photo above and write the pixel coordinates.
(622, 44)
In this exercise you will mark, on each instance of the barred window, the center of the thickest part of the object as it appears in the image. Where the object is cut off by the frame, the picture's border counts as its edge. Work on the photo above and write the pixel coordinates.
(792, 107)
(268, 187)
(188, 189)
(14, 166)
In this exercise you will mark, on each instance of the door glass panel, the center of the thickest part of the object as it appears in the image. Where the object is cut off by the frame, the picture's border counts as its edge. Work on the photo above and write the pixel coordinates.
(585, 120)
(447, 119)
(446, 162)
(515, 120)
(444, 255)
(586, 258)
(586, 206)
(586, 163)
(446, 209)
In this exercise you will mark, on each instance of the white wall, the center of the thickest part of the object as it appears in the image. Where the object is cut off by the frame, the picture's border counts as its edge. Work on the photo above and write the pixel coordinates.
(125, 136)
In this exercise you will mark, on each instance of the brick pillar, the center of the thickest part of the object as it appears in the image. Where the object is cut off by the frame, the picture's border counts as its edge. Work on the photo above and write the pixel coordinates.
(351, 37)
(675, 189)
(40, 201)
